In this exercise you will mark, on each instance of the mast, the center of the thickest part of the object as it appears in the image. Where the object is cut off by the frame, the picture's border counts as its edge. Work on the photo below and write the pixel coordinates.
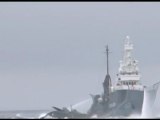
(107, 50)
(107, 81)
(107, 54)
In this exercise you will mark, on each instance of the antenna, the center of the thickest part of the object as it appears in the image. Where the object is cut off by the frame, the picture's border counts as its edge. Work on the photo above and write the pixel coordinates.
(107, 51)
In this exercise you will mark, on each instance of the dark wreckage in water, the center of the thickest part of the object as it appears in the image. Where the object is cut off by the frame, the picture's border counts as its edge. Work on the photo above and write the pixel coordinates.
(123, 99)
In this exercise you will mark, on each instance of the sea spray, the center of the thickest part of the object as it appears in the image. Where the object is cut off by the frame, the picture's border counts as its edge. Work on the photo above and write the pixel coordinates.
(146, 108)
(82, 106)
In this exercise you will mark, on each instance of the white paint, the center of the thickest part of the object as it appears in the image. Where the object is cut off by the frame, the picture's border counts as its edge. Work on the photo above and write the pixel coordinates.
(128, 76)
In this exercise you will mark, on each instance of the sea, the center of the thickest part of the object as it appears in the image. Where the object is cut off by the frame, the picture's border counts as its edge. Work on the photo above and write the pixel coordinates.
(29, 114)
(37, 114)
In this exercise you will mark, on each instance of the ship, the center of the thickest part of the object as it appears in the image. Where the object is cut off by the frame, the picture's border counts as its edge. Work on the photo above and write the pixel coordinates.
(122, 99)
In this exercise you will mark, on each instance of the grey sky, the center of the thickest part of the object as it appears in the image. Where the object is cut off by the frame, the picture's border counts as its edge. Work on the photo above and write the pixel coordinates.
(53, 53)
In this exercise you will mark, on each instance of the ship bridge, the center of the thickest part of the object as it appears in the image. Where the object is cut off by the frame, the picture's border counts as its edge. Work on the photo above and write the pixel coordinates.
(128, 73)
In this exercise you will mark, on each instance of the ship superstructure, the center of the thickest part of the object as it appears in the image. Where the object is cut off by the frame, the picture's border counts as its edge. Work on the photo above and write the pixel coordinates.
(128, 74)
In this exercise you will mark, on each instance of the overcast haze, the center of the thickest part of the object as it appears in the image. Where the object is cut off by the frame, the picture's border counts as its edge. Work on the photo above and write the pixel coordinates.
(53, 53)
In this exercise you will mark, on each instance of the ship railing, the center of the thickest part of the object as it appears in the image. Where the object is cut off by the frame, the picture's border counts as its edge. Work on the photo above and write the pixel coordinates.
(141, 88)
(154, 86)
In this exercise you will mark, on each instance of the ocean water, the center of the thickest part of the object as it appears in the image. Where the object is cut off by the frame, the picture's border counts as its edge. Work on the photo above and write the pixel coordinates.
(32, 114)
(23, 114)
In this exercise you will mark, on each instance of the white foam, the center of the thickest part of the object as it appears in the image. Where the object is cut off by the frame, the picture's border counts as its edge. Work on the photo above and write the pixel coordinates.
(42, 115)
